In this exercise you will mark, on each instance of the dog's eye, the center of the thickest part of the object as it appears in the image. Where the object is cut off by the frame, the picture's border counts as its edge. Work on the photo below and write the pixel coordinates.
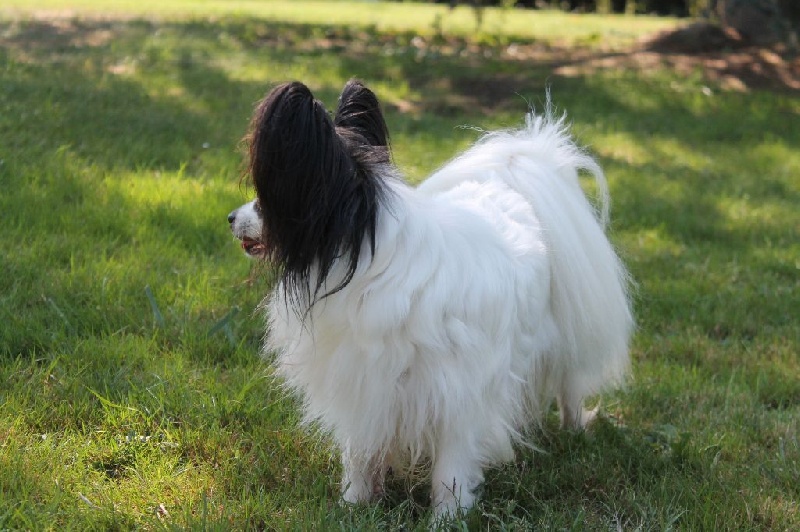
(257, 207)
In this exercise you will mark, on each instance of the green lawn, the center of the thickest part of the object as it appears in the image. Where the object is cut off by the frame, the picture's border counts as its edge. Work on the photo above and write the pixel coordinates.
(131, 394)
(426, 19)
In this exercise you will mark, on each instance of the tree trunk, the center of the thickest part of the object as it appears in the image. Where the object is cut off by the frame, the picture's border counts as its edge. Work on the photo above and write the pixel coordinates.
(758, 21)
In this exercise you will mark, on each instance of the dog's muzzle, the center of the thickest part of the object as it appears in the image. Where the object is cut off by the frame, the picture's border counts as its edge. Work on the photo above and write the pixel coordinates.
(240, 222)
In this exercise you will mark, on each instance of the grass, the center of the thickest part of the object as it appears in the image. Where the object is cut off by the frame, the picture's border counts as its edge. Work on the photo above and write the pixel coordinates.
(425, 19)
(131, 395)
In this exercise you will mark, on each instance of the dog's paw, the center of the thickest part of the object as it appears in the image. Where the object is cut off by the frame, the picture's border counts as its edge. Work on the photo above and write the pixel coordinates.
(588, 417)
(363, 492)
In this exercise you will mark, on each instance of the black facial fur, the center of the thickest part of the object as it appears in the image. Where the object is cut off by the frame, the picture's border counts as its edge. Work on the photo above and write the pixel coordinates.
(319, 183)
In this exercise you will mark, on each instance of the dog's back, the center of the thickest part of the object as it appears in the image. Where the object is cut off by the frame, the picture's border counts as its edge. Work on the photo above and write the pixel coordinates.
(589, 286)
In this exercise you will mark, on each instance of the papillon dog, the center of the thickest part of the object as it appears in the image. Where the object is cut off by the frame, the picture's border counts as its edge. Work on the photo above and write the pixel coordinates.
(435, 322)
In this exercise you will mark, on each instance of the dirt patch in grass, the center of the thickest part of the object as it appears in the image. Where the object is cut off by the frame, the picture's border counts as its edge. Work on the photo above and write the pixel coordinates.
(723, 58)
(724, 65)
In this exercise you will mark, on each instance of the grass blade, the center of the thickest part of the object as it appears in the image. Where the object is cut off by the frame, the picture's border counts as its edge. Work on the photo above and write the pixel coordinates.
(154, 305)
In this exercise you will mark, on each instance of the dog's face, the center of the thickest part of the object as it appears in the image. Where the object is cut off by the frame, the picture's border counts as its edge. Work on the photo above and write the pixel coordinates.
(246, 224)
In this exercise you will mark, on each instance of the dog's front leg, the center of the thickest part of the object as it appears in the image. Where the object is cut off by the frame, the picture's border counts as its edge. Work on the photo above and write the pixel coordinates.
(362, 477)
(456, 476)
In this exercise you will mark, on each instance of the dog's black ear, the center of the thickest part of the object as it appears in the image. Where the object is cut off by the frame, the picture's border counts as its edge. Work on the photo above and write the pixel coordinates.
(297, 165)
(360, 112)
(290, 132)
(319, 185)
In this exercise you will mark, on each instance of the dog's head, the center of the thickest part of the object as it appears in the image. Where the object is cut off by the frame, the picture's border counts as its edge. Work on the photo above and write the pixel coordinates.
(319, 182)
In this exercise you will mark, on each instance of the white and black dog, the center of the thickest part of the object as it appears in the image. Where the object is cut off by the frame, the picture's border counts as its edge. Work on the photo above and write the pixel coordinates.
(437, 321)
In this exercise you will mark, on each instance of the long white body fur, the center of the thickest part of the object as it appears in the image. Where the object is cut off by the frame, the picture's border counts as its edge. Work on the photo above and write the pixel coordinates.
(493, 289)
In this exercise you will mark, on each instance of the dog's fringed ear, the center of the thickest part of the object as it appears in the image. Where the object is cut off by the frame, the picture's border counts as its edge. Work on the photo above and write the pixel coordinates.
(296, 162)
(319, 184)
(289, 128)
(360, 112)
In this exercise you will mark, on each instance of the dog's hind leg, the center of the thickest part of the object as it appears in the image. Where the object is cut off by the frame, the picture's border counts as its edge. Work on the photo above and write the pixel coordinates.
(570, 406)
(362, 477)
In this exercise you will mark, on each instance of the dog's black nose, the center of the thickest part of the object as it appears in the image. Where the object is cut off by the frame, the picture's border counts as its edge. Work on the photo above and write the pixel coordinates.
(232, 217)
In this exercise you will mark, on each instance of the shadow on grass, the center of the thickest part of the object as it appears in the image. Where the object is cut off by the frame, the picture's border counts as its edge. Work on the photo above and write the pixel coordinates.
(610, 472)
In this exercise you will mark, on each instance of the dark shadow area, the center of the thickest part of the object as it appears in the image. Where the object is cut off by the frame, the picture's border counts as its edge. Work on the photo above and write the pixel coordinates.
(636, 464)
(727, 58)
